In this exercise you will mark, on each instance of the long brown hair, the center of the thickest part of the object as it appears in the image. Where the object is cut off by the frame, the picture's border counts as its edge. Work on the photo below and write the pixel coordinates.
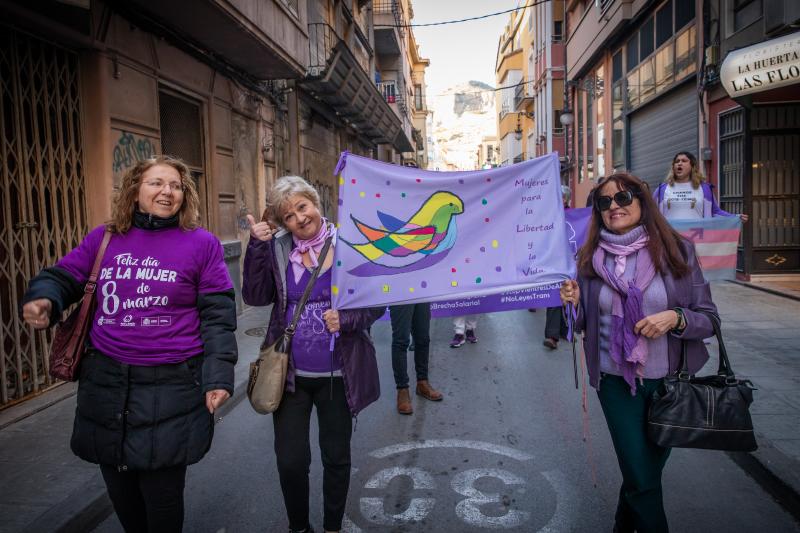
(695, 176)
(664, 242)
(125, 199)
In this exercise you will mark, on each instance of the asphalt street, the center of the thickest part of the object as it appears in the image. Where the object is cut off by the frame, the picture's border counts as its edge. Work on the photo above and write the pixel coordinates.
(505, 450)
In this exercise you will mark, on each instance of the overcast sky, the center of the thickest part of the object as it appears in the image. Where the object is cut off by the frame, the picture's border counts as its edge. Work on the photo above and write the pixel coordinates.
(464, 51)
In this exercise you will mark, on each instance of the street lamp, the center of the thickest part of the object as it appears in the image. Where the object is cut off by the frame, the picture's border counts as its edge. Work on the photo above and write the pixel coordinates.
(567, 117)
(518, 131)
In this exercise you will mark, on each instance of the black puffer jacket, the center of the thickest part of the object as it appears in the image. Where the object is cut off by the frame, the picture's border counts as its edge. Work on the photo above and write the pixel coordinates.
(140, 417)
(147, 417)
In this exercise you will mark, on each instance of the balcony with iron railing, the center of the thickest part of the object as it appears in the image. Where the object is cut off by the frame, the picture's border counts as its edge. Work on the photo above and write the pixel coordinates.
(340, 76)
(522, 95)
(393, 92)
(388, 20)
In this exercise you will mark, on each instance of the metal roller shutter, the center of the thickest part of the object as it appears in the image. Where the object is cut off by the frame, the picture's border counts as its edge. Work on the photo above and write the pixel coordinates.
(659, 130)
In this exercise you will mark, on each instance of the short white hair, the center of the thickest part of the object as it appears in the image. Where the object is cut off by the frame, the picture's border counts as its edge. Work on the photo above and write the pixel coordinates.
(286, 187)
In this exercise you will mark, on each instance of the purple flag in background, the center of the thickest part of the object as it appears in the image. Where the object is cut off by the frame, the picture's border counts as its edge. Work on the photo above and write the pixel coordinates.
(408, 235)
(577, 220)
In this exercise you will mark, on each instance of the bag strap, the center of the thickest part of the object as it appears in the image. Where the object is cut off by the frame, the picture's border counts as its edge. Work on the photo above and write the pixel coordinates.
(310, 285)
(724, 368)
(91, 283)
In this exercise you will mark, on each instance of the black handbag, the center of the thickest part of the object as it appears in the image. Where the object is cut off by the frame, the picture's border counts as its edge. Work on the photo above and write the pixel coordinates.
(710, 412)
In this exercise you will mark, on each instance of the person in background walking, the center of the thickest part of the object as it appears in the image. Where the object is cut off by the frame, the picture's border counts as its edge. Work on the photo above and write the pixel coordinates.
(638, 296)
(464, 330)
(278, 265)
(413, 320)
(146, 395)
(686, 194)
(555, 327)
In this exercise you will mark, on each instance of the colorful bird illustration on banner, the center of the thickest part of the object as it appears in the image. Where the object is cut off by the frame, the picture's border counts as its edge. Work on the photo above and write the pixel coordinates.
(404, 246)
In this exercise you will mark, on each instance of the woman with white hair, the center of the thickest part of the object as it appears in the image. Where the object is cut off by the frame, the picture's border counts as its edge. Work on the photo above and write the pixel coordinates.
(282, 254)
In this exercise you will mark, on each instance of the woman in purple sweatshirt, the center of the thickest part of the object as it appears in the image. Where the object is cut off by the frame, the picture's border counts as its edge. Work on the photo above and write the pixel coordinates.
(339, 383)
(640, 294)
(161, 350)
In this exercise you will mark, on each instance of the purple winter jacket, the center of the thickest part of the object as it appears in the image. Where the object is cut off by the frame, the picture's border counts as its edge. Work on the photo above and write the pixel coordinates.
(691, 293)
(264, 283)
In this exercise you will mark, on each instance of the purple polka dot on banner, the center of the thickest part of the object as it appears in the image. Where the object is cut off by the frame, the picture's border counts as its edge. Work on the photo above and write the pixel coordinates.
(341, 201)
(423, 284)
(483, 248)
(461, 182)
(498, 268)
(388, 182)
(350, 291)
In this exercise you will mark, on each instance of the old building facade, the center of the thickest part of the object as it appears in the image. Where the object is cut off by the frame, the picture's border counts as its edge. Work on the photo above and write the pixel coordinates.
(90, 87)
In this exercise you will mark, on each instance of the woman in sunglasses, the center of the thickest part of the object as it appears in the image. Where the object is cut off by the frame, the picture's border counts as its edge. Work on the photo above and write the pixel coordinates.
(686, 194)
(637, 297)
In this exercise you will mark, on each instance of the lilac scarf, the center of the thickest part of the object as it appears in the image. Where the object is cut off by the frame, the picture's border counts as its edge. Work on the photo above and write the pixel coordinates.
(313, 246)
(628, 350)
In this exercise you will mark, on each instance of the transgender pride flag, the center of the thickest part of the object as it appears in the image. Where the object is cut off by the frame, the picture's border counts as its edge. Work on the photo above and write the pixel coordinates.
(715, 240)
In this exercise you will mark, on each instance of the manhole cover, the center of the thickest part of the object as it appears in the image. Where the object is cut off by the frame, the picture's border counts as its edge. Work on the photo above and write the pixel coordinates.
(256, 332)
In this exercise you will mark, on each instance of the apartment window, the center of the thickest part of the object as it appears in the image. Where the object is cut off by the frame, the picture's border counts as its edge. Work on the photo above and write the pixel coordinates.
(685, 49)
(684, 13)
(664, 24)
(292, 5)
(579, 123)
(655, 58)
(419, 105)
(745, 12)
(632, 51)
(618, 133)
(558, 30)
(600, 122)
(665, 67)
(590, 136)
(616, 67)
(646, 39)
(181, 124)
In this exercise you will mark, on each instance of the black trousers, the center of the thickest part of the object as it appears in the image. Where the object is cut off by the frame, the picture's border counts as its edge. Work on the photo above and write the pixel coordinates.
(147, 501)
(293, 449)
(555, 326)
(413, 319)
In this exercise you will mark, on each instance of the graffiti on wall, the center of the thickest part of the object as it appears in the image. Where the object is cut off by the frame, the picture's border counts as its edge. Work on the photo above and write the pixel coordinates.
(128, 149)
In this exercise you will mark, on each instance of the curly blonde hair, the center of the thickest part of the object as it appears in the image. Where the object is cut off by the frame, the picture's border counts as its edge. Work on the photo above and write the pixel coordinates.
(284, 188)
(126, 198)
(696, 176)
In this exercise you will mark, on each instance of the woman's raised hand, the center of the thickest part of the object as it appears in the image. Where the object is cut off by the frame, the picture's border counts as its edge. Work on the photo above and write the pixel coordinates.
(37, 313)
(263, 231)
(570, 292)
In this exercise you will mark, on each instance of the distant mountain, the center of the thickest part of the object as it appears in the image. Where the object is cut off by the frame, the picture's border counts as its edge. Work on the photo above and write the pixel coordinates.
(462, 115)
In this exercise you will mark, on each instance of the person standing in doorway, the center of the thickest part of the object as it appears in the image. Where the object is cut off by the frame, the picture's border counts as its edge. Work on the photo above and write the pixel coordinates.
(413, 320)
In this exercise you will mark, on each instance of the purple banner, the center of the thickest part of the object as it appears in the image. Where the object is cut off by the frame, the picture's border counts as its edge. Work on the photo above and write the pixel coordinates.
(408, 235)
(576, 221)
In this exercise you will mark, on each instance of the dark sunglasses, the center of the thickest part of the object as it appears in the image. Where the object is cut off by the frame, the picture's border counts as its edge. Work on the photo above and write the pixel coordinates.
(622, 198)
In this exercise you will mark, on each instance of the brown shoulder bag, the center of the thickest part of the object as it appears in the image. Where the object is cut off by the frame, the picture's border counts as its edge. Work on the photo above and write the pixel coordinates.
(69, 341)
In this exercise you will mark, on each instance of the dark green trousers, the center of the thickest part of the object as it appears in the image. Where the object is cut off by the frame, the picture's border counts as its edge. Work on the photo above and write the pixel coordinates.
(641, 505)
